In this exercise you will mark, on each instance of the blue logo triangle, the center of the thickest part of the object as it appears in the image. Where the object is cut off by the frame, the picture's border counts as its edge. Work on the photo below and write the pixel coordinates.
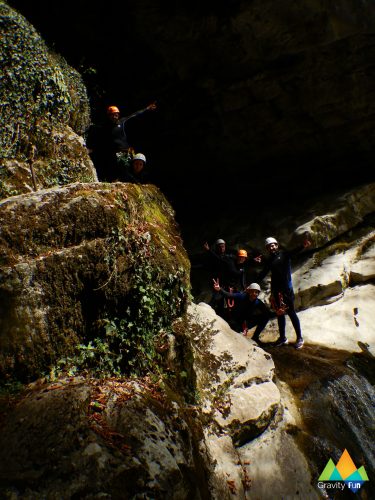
(354, 481)
(335, 476)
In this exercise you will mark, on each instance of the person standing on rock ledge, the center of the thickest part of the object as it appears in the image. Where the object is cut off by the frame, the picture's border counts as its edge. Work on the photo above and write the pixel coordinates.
(218, 262)
(282, 293)
(108, 144)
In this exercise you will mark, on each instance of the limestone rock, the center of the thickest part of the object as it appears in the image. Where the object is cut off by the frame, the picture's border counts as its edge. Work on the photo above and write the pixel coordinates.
(251, 411)
(344, 324)
(326, 275)
(70, 258)
(364, 268)
(44, 108)
(341, 215)
(235, 382)
(275, 465)
(230, 363)
(111, 439)
(322, 283)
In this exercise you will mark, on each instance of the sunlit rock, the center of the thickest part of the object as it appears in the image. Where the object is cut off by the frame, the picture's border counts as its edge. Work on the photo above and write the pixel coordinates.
(338, 216)
(235, 383)
(344, 324)
(364, 268)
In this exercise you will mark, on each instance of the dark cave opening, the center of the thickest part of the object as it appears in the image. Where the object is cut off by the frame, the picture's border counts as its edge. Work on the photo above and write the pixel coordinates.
(213, 155)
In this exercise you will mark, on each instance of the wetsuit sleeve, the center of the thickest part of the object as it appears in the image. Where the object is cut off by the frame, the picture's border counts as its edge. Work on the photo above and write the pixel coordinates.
(212, 255)
(235, 295)
(133, 115)
(263, 273)
(232, 268)
(129, 177)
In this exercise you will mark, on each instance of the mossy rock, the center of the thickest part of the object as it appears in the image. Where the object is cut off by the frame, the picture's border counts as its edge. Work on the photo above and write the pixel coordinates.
(43, 106)
(75, 258)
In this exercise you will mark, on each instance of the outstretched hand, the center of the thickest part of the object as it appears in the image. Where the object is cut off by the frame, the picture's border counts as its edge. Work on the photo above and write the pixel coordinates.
(216, 285)
(258, 258)
(206, 246)
(152, 106)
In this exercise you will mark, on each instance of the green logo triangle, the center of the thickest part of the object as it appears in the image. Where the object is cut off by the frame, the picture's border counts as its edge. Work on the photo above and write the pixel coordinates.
(328, 470)
(362, 472)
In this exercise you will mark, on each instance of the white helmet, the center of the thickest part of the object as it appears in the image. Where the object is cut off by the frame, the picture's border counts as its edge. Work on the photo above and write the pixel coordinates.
(139, 156)
(253, 286)
(219, 242)
(270, 240)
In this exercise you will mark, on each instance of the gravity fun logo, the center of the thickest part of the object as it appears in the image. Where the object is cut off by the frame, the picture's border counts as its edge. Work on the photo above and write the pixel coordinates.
(344, 473)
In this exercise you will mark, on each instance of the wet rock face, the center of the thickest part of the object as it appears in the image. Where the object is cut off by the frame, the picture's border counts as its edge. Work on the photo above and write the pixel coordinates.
(74, 256)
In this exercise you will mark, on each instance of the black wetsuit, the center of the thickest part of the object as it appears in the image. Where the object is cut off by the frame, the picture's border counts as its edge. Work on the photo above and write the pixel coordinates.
(282, 293)
(248, 313)
(238, 273)
(105, 141)
(220, 266)
(143, 177)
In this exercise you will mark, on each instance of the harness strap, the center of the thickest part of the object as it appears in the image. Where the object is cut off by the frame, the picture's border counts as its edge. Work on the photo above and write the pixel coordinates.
(230, 302)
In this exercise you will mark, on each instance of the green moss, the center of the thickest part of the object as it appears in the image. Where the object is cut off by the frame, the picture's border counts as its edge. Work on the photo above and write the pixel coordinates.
(89, 268)
(39, 94)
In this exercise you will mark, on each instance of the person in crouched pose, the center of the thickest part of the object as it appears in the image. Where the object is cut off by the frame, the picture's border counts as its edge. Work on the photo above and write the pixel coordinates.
(250, 310)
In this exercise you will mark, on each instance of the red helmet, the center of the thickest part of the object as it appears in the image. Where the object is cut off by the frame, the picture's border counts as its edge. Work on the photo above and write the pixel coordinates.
(112, 110)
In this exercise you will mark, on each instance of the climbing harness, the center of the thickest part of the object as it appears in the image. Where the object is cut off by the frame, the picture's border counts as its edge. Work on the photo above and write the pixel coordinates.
(279, 307)
(230, 302)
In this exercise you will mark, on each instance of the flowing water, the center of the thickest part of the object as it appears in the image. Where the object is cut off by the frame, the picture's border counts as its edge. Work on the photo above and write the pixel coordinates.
(335, 393)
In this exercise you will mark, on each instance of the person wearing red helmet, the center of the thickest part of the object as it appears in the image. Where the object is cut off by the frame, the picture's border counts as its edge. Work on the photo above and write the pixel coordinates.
(108, 144)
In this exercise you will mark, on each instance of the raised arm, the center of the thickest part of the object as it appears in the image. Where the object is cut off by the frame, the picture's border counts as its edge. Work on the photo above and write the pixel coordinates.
(150, 107)
(235, 295)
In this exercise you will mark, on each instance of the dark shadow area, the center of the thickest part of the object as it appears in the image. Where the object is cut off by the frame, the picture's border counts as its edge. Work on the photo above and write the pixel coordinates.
(213, 155)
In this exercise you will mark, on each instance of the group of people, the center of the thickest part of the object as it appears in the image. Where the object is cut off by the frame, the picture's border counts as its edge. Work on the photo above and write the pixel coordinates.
(113, 157)
(239, 302)
(232, 298)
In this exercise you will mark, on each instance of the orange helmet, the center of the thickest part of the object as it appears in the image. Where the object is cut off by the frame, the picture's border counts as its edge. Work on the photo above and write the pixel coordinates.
(112, 109)
(242, 253)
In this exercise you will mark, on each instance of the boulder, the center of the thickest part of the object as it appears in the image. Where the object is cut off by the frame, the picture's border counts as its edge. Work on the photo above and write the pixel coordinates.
(364, 268)
(234, 380)
(344, 324)
(326, 274)
(74, 257)
(44, 111)
(339, 216)
(98, 439)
